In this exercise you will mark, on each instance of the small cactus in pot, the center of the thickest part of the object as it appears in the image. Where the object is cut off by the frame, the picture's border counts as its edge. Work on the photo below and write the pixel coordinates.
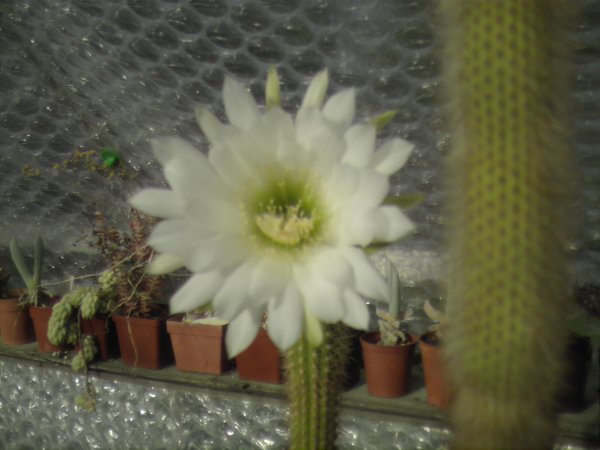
(34, 294)
(388, 354)
(390, 322)
(439, 321)
(64, 327)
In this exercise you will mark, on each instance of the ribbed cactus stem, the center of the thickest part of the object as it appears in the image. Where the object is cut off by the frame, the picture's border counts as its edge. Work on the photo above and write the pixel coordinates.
(507, 217)
(315, 378)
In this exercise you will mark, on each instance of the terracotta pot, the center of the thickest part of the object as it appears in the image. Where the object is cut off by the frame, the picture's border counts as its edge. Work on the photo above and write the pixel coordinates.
(40, 316)
(103, 330)
(387, 368)
(143, 342)
(436, 384)
(197, 347)
(260, 361)
(16, 327)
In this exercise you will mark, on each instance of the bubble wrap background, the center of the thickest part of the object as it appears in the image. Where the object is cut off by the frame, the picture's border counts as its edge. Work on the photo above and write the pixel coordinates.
(88, 74)
(83, 74)
(38, 413)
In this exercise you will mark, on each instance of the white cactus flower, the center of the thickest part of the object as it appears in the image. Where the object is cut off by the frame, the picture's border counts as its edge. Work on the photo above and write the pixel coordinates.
(274, 217)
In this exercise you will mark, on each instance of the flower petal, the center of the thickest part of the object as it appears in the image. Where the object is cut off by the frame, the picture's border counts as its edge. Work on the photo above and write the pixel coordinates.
(217, 252)
(322, 299)
(372, 189)
(310, 124)
(330, 266)
(176, 236)
(272, 88)
(313, 328)
(356, 228)
(328, 149)
(233, 297)
(368, 282)
(340, 107)
(342, 183)
(315, 94)
(166, 149)
(232, 169)
(196, 292)
(285, 318)
(357, 314)
(161, 203)
(164, 263)
(240, 106)
(187, 169)
(319, 140)
(391, 224)
(268, 279)
(360, 143)
(211, 126)
(391, 156)
(241, 331)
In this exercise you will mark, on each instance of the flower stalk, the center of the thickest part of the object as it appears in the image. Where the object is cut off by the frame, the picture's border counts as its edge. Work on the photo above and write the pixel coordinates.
(315, 378)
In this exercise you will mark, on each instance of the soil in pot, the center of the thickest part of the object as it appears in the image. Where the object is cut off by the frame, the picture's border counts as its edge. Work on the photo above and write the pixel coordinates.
(199, 347)
(143, 342)
(436, 383)
(105, 335)
(16, 327)
(387, 368)
(261, 361)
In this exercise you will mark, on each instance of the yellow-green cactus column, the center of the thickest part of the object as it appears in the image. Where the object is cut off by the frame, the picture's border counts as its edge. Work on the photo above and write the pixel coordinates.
(507, 175)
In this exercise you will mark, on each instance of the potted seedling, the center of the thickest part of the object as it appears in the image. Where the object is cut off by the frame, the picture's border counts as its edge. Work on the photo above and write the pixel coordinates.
(65, 327)
(15, 322)
(38, 301)
(436, 383)
(198, 340)
(72, 320)
(139, 316)
(388, 353)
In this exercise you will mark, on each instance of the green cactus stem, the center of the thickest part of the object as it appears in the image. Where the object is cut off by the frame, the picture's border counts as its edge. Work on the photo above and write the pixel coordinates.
(508, 175)
(315, 378)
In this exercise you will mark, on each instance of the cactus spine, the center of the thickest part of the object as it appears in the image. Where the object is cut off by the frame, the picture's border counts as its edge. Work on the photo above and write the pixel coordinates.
(508, 176)
(315, 377)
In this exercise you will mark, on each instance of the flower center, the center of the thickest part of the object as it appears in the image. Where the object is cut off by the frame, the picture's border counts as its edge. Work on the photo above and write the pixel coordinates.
(285, 214)
(287, 227)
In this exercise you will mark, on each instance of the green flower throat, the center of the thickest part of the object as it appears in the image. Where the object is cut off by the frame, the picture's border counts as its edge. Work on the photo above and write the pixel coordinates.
(285, 215)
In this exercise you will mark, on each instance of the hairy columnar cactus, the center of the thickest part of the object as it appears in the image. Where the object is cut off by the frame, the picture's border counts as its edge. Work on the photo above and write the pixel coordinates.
(508, 173)
(315, 378)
